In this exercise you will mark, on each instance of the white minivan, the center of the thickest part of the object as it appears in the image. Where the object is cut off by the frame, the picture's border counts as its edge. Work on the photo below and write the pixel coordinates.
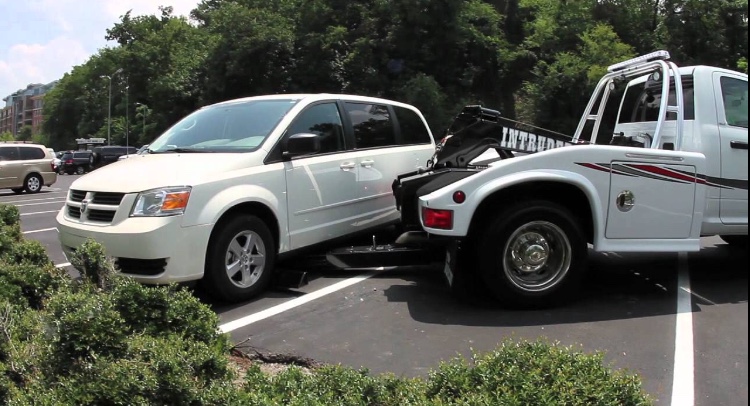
(234, 186)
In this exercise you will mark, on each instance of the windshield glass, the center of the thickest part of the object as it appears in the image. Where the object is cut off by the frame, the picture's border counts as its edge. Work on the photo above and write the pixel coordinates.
(236, 127)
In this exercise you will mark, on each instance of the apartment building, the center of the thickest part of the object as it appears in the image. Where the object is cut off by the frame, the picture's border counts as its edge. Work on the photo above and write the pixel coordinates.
(24, 108)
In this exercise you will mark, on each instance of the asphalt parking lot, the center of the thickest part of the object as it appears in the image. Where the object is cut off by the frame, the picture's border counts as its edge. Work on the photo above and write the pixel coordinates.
(678, 320)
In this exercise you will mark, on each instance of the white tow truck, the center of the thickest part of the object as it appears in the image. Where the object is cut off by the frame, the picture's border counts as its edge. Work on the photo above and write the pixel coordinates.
(512, 208)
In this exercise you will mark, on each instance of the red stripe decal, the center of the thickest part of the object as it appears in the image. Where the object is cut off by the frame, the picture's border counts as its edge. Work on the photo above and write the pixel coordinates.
(669, 173)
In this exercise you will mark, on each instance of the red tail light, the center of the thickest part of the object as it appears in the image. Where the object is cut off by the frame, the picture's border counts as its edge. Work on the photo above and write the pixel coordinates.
(69, 161)
(433, 218)
(52, 165)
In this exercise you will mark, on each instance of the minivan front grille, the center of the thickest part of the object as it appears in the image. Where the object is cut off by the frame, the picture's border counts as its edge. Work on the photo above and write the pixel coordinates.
(100, 207)
(104, 216)
(74, 212)
(77, 195)
(112, 199)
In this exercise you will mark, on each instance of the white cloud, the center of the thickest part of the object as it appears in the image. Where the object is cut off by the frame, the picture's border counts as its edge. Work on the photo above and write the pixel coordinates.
(65, 33)
(40, 63)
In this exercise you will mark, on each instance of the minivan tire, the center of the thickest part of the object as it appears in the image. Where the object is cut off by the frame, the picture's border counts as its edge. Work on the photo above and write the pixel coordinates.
(80, 170)
(245, 244)
(33, 183)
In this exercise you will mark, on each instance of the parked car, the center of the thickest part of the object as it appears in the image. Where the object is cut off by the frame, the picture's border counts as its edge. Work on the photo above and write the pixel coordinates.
(26, 167)
(142, 150)
(78, 162)
(109, 154)
(55, 160)
(234, 187)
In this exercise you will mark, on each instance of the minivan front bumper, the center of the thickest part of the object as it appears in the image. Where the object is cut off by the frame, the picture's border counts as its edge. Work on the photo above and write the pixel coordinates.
(152, 250)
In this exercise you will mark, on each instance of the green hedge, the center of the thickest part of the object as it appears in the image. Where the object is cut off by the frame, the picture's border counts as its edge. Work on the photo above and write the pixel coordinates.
(106, 340)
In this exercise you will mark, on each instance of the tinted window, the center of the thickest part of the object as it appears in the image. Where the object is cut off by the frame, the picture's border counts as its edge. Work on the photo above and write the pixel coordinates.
(31, 153)
(8, 153)
(642, 101)
(323, 120)
(372, 124)
(413, 130)
(66, 155)
(734, 93)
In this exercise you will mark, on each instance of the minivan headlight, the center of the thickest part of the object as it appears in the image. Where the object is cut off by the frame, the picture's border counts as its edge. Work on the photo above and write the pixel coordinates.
(170, 201)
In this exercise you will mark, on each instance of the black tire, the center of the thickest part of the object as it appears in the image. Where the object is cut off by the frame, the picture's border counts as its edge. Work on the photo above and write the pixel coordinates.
(735, 241)
(555, 261)
(240, 286)
(80, 170)
(18, 191)
(33, 183)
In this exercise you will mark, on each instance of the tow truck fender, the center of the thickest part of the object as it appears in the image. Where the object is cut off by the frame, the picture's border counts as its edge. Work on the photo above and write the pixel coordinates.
(465, 212)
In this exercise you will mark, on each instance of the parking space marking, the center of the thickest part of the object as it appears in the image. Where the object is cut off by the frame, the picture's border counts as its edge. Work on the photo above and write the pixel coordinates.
(63, 265)
(40, 212)
(272, 311)
(41, 230)
(683, 391)
(35, 200)
(37, 204)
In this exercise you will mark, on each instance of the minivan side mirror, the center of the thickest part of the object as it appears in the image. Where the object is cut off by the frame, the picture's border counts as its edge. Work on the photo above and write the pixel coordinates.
(301, 144)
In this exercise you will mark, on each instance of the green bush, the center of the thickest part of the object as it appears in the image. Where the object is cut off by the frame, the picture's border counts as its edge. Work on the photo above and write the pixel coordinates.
(92, 262)
(25, 284)
(30, 252)
(160, 311)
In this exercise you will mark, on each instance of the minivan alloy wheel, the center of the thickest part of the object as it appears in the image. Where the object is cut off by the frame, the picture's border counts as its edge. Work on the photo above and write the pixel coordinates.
(245, 259)
(33, 184)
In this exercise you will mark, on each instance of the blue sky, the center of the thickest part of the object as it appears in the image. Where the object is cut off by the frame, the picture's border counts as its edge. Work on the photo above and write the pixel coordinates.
(41, 40)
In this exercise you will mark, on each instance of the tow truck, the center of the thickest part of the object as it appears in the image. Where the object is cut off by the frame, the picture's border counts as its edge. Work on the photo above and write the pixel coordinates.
(511, 210)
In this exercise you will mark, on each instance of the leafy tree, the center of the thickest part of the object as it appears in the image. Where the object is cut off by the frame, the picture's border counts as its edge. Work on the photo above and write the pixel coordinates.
(7, 136)
(24, 134)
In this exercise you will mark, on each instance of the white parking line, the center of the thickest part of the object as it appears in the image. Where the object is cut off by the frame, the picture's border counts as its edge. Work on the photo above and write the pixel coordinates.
(36, 200)
(37, 204)
(41, 230)
(264, 314)
(40, 212)
(683, 391)
(63, 265)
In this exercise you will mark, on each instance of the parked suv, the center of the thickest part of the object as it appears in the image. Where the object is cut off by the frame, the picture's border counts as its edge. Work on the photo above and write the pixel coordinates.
(78, 162)
(234, 187)
(26, 167)
(107, 155)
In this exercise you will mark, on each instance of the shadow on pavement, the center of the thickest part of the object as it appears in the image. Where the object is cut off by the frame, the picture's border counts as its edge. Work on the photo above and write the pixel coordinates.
(618, 286)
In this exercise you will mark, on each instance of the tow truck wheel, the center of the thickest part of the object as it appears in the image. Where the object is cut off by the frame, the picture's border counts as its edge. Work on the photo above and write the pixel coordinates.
(533, 255)
(240, 259)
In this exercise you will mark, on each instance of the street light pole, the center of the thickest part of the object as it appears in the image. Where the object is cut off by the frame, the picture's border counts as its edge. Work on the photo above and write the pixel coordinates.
(127, 114)
(109, 104)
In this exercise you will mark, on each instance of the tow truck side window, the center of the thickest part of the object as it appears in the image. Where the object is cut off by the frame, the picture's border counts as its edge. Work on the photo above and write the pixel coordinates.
(734, 93)
(642, 101)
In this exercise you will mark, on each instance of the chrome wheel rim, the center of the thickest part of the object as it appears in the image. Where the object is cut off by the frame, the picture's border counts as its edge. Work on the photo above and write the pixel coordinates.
(537, 256)
(33, 184)
(245, 259)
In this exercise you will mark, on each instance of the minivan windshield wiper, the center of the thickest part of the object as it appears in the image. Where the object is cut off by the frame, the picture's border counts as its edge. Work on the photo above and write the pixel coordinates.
(178, 150)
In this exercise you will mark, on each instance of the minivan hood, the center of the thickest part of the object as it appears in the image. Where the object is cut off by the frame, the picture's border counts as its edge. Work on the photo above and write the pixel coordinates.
(150, 171)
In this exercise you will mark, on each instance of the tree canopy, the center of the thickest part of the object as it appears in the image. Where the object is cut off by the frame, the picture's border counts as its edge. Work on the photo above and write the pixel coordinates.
(535, 60)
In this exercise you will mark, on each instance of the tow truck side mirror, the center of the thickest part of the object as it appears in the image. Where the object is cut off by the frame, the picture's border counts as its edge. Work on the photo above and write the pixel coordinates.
(301, 144)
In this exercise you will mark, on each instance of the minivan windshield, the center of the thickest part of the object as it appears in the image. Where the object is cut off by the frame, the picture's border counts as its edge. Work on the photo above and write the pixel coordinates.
(233, 127)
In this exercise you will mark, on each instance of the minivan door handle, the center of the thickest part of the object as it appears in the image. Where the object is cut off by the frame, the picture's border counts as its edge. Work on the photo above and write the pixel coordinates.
(367, 163)
(347, 166)
(738, 144)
